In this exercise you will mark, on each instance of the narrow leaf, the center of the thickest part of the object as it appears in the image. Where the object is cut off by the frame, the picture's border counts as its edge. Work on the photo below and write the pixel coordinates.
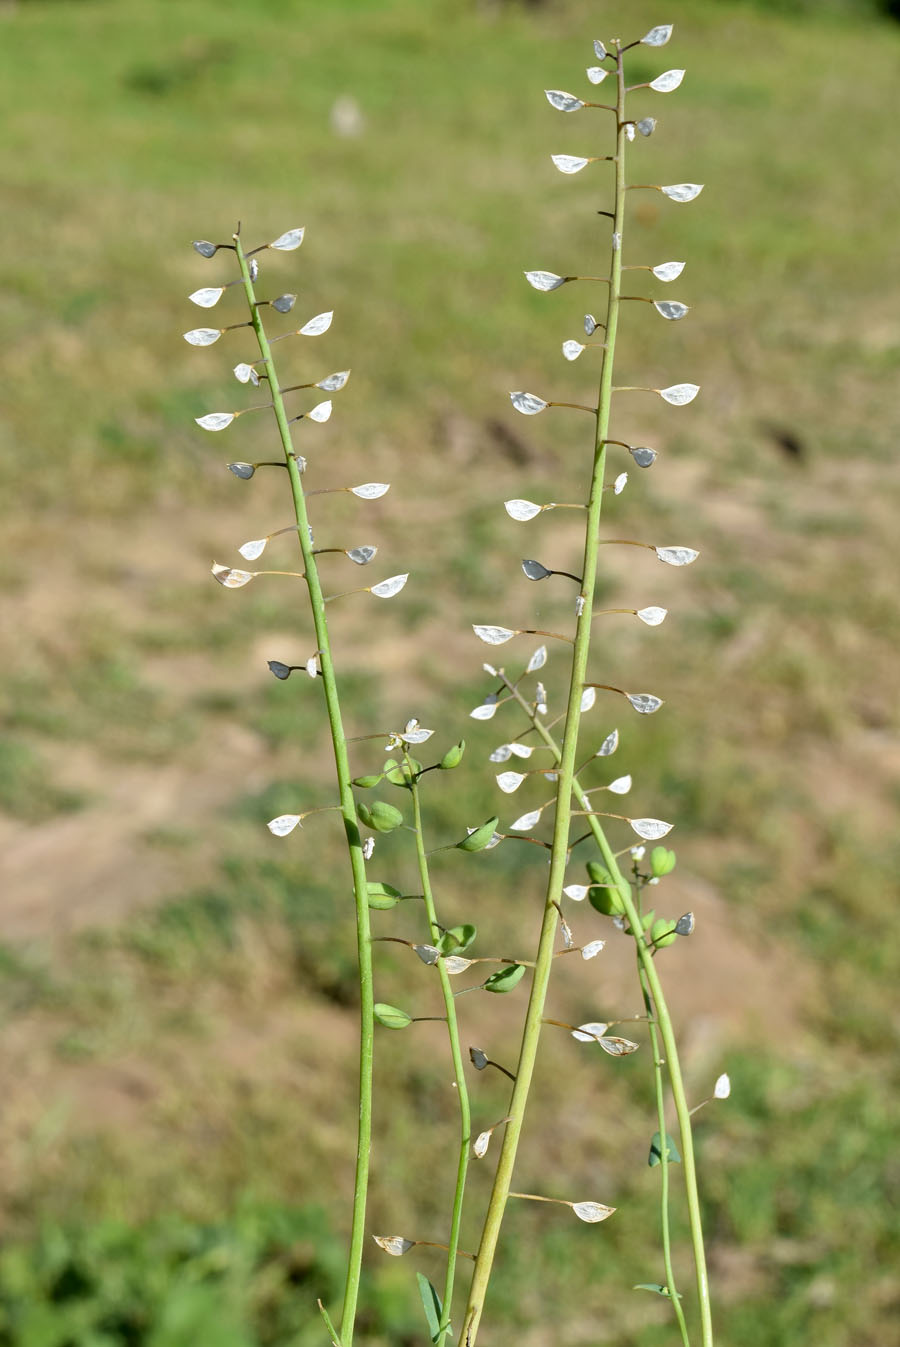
(431, 1302)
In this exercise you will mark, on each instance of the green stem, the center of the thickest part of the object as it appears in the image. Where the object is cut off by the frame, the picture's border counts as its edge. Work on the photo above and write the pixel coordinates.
(566, 780)
(348, 811)
(465, 1121)
(663, 1019)
(663, 1160)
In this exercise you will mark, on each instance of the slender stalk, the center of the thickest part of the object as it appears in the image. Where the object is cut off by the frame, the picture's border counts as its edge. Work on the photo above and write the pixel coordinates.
(465, 1122)
(663, 1019)
(566, 780)
(348, 811)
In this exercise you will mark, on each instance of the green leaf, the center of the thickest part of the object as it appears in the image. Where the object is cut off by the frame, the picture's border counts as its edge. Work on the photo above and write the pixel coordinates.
(663, 933)
(382, 896)
(380, 815)
(657, 1288)
(390, 1016)
(367, 782)
(505, 978)
(655, 1156)
(479, 839)
(457, 939)
(662, 862)
(431, 1302)
(453, 757)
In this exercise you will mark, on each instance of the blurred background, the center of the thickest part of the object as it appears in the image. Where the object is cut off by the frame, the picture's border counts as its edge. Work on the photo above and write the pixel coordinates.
(177, 986)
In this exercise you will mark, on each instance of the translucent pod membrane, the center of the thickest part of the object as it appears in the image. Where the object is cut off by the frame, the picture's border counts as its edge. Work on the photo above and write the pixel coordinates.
(205, 248)
(668, 271)
(667, 81)
(609, 745)
(722, 1087)
(650, 829)
(507, 751)
(284, 303)
(538, 660)
(526, 821)
(652, 617)
(646, 126)
(599, 49)
(243, 470)
(215, 420)
(321, 412)
(535, 570)
(202, 336)
(570, 163)
(591, 1032)
(485, 711)
(658, 36)
(544, 280)
(287, 242)
(682, 191)
(510, 781)
(590, 324)
(386, 589)
(644, 702)
(253, 549)
(361, 556)
(246, 374)
(596, 74)
(621, 785)
(333, 383)
(578, 893)
(685, 924)
(676, 556)
(494, 635)
(592, 949)
(563, 102)
(588, 699)
(208, 296)
(395, 1245)
(620, 483)
(370, 490)
(679, 395)
(316, 326)
(529, 404)
(643, 456)
(522, 510)
(572, 349)
(284, 824)
(231, 578)
(670, 308)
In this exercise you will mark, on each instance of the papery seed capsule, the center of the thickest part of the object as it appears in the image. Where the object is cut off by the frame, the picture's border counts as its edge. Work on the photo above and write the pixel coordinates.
(570, 163)
(538, 659)
(596, 74)
(242, 373)
(207, 297)
(203, 336)
(646, 126)
(658, 36)
(525, 822)
(685, 924)
(609, 745)
(668, 271)
(562, 101)
(650, 829)
(253, 549)
(643, 456)
(501, 754)
(667, 81)
(577, 892)
(510, 781)
(676, 556)
(572, 349)
(254, 269)
(478, 1058)
(529, 404)
(620, 483)
(652, 616)
(683, 191)
(521, 510)
(589, 1033)
(243, 470)
(599, 49)
(494, 635)
(544, 280)
(679, 395)
(481, 1143)
(644, 702)
(534, 570)
(670, 308)
(722, 1087)
(284, 824)
(629, 130)
(618, 1047)
(287, 242)
(621, 785)
(231, 578)
(393, 1244)
(588, 698)
(215, 420)
(370, 490)
(284, 303)
(592, 949)
(321, 412)
(362, 555)
(316, 326)
(386, 589)
(280, 670)
(334, 382)
(204, 247)
(484, 712)
(590, 324)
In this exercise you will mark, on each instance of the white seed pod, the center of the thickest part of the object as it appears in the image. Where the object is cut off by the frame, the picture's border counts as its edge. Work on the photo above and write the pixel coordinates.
(244, 373)
(668, 271)
(609, 745)
(455, 963)
(618, 1047)
(215, 420)
(652, 617)
(672, 309)
(526, 821)
(562, 101)
(646, 126)
(203, 336)
(429, 954)
(540, 699)
(286, 243)
(658, 36)
(316, 326)
(650, 829)
(321, 412)
(589, 1033)
(592, 1211)
(208, 296)
(722, 1087)
(494, 635)
(616, 241)
(521, 510)
(676, 556)
(254, 269)
(521, 750)
(370, 490)
(529, 404)
(621, 785)
(572, 349)
(679, 395)
(596, 74)
(629, 130)
(361, 556)
(386, 589)
(644, 702)
(667, 81)
(588, 698)
(369, 848)
(620, 483)
(509, 781)
(332, 383)
(253, 549)
(312, 667)
(480, 1144)
(590, 324)
(643, 457)
(283, 824)
(501, 754)
(570, 163)
(231, 578)
(484, 712)
(393, 1244)
(489, 669)
(544, 280)
(682, 191)
(637, 853)
(538, 660)
(592, 949)
(577, 892)
(599, 49)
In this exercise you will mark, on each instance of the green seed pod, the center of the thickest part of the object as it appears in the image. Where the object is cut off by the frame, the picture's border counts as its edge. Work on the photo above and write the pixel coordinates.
(663, 933)
(604, 896)
(381, 816)
(399, 774)
(457, 939)
(453, 756)
(382, 896)
(367, 782)
(480, 838)
(390, 1016)
(662, 862)
(505, 979)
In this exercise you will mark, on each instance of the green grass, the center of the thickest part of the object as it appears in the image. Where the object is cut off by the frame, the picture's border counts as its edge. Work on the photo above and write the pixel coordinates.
(130, 129)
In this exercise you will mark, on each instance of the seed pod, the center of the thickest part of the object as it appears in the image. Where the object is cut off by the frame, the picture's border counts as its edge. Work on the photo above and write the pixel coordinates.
(562, 101)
